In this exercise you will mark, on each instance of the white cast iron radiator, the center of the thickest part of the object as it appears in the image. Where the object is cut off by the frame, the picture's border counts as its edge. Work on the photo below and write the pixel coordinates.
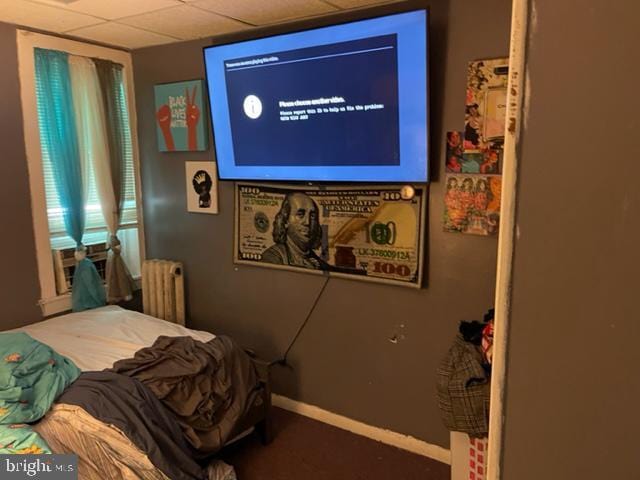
(163, 290)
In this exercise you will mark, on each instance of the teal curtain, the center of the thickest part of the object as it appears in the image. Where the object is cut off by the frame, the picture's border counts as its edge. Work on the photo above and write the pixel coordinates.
(58, 135)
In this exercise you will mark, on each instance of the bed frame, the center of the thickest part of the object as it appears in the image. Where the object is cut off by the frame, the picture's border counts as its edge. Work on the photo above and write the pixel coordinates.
(259, 414)
(163, 297)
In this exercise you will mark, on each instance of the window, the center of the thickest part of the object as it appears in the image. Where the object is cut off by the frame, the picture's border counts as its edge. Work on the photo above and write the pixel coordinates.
(47, 213)
(95, 228)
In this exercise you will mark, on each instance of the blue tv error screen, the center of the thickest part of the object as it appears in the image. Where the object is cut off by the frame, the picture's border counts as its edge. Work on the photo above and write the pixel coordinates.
(343, 103)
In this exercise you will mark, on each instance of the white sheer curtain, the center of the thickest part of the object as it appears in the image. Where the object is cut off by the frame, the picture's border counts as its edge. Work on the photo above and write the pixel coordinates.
(84, 159)
(130, 251)
(89, 110)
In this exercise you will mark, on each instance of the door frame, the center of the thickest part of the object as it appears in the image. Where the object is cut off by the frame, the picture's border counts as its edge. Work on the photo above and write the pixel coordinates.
(517, 101)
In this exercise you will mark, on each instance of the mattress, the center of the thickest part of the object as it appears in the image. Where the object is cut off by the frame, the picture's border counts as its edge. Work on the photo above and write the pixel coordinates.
(95, 339)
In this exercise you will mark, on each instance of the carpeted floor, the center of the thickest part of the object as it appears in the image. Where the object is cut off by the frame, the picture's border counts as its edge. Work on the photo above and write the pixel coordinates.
(305, 449)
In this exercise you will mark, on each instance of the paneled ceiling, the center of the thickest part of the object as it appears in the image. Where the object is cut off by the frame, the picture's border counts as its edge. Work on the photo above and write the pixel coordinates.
(142, 23)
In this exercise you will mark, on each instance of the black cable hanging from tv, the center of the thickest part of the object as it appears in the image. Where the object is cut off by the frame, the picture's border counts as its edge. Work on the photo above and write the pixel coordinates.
(283, 360)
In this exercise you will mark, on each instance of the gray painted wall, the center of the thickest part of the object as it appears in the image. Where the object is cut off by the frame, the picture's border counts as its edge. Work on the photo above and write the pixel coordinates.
(344, 361)
(573, 382)
(19, 287)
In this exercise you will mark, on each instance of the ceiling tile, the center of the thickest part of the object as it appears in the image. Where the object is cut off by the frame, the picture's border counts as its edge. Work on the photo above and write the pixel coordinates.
(123, 35)
(184, 22)
(261, 12)
(43, 17)
(357, 3)
(113, 9)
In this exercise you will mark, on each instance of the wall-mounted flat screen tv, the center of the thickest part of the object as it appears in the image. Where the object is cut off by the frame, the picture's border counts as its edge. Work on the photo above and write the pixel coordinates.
(345, 102)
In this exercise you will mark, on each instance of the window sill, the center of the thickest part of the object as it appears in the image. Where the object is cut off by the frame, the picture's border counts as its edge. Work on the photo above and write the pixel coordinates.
(55, 305)
(62, 303)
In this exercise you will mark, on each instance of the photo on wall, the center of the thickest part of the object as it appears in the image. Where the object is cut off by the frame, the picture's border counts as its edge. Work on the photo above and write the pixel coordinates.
(180, 116)
(454, 151)
(201, 187)
(486, 104)
(472, 204)
(487, 161)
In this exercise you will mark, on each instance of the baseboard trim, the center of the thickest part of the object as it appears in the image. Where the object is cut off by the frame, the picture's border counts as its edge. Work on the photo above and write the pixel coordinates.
(399, 440)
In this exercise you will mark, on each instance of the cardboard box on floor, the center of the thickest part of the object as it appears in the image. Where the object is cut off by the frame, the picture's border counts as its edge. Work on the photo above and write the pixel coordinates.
(468, 457)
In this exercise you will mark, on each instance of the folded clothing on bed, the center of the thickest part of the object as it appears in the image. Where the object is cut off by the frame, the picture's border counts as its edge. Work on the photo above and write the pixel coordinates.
(208, 386)
(32, 376)
(125, 403)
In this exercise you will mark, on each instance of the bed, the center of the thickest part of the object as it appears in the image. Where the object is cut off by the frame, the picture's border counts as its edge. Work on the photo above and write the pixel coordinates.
(95, 340)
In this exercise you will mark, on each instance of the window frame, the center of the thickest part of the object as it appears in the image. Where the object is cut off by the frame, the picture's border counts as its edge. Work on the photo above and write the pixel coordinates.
(50, 302)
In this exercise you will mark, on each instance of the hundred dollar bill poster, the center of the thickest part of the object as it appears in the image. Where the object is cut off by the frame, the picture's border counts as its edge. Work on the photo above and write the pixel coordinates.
(367, 233)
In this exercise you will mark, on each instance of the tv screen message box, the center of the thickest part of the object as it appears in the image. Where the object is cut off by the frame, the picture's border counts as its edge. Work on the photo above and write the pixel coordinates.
(334, 104)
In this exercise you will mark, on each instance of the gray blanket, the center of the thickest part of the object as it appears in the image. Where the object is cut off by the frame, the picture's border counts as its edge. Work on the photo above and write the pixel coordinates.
(209, 387)
(128, 405)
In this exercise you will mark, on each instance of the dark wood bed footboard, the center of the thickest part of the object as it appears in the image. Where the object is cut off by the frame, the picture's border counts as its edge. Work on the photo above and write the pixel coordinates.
(264, 427)
(259, 414)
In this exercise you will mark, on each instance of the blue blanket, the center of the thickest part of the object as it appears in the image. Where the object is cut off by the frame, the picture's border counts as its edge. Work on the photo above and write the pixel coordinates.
(32, 376)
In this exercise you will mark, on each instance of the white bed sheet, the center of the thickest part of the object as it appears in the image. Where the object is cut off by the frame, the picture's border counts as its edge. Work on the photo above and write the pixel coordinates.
(95, 339)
